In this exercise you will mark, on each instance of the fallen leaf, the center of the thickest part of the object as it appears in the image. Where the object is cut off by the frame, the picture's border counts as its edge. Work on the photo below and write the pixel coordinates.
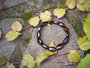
(41, 58)
(16, 26)
(45, 16)
(28, 61)
(59, 12)
(11, 35)
(70, 4)
(74, 56)
(34, 21)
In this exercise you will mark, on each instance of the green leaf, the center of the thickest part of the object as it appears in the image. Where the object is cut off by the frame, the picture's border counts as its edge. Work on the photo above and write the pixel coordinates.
(2, 60)
(49, 25)
(41, 58)
(80, 7)
(12, 35)
(85, 62)
(10, 65)
(28, 61)
(84, 43)
(83, 5)
(74, 56)
(87, 26)
(0, 33)
(52, 44)
(34, 21)
(59, 12)
(70, 4)
(16, 26)
(50, 52)
(45, 16)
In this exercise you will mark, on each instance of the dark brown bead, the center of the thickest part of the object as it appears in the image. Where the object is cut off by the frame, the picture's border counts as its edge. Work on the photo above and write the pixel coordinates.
(61, 24)
(44, 24)
(40, 42)
(39, 28)
(59, 46)
(65, 29)
(45, 46)
(65, 40)
(38, 34)
(52, 49)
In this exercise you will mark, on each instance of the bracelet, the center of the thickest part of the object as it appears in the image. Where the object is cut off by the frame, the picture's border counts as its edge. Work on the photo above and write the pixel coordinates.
(59, 46)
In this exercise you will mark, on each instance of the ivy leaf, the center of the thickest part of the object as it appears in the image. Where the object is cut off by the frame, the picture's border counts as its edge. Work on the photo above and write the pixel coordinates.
(16, 26)
(34, 21)
(10, 65)
(59, 12)
(83, 5)
(0, 33)
(12, 35)
(74, 56)
(45, 16)
(50, 52)
(80, 7)
(2, 60)
(41, 58)
(28, 61)
(70, 4)
(87, 26)
(85, 62)
(49, 25)
(84, 43)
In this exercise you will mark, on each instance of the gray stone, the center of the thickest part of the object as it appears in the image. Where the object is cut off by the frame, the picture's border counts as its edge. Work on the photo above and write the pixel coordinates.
(13, 50)
(10, 3)
(48, 35)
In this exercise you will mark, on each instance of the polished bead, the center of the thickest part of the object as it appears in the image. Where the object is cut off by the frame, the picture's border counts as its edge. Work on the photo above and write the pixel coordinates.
(52, 49)
(65, 29)
(38, 34)
(45, 46)
(49, 22)
(39, 28)
(67, 35)
(44, 24)
(40, 42)
(61, 24)
(60, 46)
(65, 40)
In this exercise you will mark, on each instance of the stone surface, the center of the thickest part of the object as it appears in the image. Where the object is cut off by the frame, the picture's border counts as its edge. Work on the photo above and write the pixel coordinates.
(10, 3)
(48, 35)
(13, 50)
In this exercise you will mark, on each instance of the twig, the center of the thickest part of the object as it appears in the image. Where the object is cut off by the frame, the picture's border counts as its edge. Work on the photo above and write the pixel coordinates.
(26, 28)
(17, 63)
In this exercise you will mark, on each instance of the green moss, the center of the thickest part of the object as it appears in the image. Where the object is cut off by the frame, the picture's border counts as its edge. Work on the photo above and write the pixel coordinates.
(50, 8)
(77, 26)
(49, 2)
(23, 10)
(62, 3)
(27, 16)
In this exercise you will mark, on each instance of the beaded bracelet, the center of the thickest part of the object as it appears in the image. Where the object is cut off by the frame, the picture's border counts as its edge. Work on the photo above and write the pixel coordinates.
(59, 46)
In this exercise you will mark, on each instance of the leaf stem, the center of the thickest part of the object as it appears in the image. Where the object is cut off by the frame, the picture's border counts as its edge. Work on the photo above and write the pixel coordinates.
(17, 63)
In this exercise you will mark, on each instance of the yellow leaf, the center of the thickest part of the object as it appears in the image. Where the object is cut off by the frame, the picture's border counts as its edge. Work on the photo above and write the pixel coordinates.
(50, 52)
(16, 26)
(12, 35)
(0, 33)
(45, 16)
(34, 21)
(59, 12)
(74, 56)
(70, 3)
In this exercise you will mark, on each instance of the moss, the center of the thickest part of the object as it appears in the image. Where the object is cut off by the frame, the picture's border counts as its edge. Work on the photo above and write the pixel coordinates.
(62, 3)
(49, 2)
(23, 10)
(50, 8)
(76, 25)
(26, 16)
